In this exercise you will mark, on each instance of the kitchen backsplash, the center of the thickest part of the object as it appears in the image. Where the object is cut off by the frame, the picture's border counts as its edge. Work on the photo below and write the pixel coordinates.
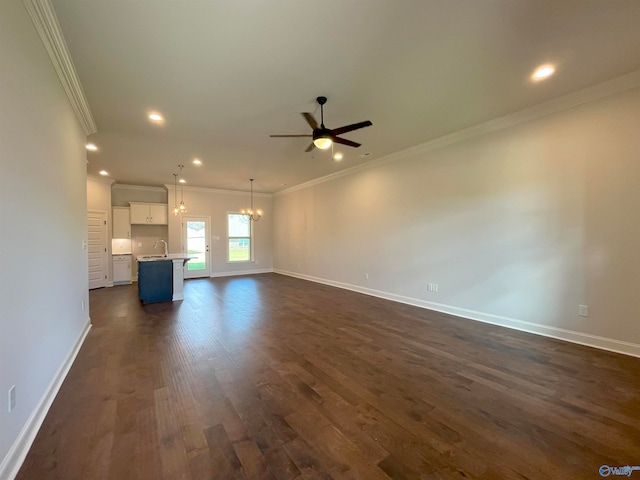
(120, 246)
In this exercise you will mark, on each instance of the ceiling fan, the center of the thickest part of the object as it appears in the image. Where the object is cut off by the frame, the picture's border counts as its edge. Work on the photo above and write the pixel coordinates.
(322, 136)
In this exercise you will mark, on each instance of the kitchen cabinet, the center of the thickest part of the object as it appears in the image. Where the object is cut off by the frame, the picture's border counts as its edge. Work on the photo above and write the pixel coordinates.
(160, 278)
(121, 269)
(121, 223)
(148, 213)
(155, 281)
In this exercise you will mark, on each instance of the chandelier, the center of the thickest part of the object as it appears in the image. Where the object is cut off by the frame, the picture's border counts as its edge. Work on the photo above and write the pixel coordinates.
(251, 213)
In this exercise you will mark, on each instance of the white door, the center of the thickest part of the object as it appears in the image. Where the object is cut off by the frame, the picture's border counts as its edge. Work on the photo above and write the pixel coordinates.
(195, 237)
(97, 248)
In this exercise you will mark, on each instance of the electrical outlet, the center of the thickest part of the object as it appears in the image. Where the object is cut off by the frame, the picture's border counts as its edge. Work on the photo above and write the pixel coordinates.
(583, 310)
(11, 400)
(432, 287)
(366, 276)
(83, 305)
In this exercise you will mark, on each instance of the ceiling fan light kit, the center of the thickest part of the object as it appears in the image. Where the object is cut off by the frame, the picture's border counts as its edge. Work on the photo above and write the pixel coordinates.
(323, 137)
(322, 142)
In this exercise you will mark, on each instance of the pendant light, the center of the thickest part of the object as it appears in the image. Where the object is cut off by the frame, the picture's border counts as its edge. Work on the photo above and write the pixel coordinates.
(182, 207)
(178, 208)
(251, 213)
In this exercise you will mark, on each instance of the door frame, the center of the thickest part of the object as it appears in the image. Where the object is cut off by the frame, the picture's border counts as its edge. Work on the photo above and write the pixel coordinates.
(207, 235)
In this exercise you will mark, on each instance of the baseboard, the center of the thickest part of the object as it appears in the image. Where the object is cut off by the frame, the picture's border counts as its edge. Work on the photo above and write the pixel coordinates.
(243, 272)
(13, 461)
(603, 343)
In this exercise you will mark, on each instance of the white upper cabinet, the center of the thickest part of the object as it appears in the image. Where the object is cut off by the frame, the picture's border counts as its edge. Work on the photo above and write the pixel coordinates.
(148, 213)
(158, 213)
(121, 223)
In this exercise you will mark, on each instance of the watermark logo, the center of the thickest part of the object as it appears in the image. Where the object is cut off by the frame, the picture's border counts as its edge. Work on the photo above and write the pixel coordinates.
(624, 471)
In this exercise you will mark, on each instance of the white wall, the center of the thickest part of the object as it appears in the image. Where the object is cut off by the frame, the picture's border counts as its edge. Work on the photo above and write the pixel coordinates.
(99, 194)
(43, 216)
(122, 194)
(216, 204)
(517, 227)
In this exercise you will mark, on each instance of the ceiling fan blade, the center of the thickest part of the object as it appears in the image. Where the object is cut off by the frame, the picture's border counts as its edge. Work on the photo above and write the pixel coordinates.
(310, 120)
(352, 127)
(346, 142)
(310, 147)
(287, 136)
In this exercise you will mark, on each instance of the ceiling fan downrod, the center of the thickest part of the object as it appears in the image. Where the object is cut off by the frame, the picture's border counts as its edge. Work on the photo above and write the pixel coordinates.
(321, 101)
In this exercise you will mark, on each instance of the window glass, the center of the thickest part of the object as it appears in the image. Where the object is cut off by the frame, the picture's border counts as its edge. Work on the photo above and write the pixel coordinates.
(239, 225)
(239, 247)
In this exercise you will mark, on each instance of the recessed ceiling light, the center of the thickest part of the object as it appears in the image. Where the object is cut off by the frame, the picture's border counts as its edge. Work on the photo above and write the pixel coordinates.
(365, 154)
(104, 173)
(543, 72)
(182, 180)
(197, 161)
(91, 146)
(156, 117)
(337, 156)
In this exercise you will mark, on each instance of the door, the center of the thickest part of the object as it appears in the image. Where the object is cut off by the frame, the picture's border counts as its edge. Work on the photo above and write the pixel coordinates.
(158, 214)
(139, 214)
(97, 248)
(195, 235)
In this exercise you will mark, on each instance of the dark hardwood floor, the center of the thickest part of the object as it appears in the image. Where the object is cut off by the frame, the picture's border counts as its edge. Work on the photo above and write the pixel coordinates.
(270, 377)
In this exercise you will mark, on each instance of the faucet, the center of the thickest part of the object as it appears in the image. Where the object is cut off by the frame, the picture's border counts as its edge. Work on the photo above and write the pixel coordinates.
(166, 248)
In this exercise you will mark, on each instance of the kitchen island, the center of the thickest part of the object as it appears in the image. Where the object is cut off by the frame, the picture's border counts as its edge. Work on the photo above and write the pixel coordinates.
(161, 277)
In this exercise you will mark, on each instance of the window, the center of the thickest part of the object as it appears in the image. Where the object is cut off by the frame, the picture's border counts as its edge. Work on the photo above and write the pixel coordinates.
(239, 228)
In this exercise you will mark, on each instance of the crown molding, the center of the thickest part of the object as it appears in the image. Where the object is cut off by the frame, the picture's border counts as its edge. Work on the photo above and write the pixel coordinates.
(46, 23)
(96, 178)
(586, 95)
(124, 186)
(218, 191)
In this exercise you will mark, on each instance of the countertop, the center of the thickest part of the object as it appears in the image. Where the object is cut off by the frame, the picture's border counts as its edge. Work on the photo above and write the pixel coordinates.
(161, 258)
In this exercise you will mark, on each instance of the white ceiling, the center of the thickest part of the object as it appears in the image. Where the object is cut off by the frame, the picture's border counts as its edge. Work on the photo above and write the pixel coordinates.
(228, 73)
